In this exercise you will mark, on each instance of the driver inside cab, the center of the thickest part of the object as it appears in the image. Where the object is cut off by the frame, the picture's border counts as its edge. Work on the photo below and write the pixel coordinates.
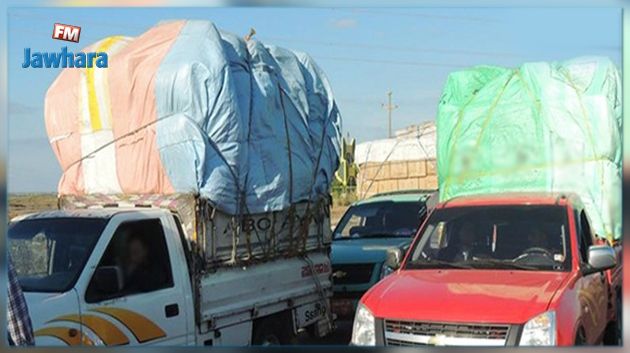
(464, 245)
(538, 241)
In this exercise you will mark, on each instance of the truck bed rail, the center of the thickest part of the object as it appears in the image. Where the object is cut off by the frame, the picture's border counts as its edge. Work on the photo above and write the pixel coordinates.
(231, 240)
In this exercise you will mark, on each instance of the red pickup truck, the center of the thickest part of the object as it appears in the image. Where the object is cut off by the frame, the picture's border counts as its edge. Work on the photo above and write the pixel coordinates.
(498, 270)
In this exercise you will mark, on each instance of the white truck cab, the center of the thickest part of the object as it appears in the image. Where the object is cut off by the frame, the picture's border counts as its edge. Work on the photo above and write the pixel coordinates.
(127, 276)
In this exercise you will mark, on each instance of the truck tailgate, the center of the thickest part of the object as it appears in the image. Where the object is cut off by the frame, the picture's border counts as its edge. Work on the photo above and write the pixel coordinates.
(236, 294)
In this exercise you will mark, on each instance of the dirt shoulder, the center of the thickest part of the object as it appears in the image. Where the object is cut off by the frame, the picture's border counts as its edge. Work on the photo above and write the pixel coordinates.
(20, 204)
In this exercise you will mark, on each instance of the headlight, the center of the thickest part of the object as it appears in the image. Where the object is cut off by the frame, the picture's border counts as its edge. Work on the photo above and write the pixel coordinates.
(540, 331)
(363, 327)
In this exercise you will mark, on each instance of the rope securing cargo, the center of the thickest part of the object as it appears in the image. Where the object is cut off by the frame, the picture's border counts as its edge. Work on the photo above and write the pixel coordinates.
(535, 133)
(248, 133)
(191, 109)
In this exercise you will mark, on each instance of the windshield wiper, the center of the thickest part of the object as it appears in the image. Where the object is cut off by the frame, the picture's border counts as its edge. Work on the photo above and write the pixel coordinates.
(434, 263)
(506, 264)
(370, 235)
(376, 235)
(360, 236)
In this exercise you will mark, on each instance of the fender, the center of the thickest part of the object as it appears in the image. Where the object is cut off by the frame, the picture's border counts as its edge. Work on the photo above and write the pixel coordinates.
(568, 312)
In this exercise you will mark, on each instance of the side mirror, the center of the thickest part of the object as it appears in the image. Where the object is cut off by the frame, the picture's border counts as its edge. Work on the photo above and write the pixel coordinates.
(600, 258)
(108, 279)
(394, 258)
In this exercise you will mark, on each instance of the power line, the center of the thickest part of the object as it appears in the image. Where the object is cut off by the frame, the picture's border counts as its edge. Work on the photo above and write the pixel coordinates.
(88, 23)
(371, 100)
(83, 22)
(392, 62)
(392, 48)
(412, 14)
(88, 39)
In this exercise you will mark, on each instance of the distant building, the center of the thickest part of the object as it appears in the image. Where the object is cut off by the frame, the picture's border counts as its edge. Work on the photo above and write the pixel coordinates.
(407, 161)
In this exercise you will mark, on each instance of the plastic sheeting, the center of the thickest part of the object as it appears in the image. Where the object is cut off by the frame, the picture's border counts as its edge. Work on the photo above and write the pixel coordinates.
(416, 146)
(551, 127)
(185, 108)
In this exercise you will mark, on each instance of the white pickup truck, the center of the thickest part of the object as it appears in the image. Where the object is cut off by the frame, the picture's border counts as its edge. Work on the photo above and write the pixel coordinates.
(205, 278)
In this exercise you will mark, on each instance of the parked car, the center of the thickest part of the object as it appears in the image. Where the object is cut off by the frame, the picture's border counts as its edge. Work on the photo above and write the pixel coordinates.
(365, 233)
(499, 270)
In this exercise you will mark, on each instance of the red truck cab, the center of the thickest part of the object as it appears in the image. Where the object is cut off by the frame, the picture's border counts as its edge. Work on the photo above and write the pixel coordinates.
(498, 270)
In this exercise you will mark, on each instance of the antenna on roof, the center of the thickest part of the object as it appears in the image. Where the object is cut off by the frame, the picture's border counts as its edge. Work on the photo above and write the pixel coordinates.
(249, 35)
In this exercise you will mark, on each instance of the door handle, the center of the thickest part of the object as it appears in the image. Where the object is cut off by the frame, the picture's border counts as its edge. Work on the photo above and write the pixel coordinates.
(171, 310)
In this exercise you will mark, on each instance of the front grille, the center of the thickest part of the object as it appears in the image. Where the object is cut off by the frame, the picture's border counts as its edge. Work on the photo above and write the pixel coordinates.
(352, 273)
(405, 333)
(399, 343)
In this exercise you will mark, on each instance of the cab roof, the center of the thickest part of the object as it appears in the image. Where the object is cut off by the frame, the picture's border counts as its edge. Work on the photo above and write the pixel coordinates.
(104, 213)
(398, 196)
(512, 198)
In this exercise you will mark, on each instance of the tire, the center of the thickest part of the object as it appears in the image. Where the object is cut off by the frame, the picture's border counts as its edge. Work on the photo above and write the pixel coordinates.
(273, 331)
(611, 336)
(580, 338)
(614, 331)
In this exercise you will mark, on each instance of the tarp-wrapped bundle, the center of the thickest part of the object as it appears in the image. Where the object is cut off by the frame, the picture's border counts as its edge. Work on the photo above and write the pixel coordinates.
(187, 109)
(405, 162)
(542, 127)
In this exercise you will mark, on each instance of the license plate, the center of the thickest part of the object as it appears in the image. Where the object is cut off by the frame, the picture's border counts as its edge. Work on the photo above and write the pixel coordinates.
(309, 313)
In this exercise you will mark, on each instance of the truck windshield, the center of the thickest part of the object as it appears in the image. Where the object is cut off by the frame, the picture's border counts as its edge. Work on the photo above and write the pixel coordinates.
(48, 254)
(494, 237)
(381, 219)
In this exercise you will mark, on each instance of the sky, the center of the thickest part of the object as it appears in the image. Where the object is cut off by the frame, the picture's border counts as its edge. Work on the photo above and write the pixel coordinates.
(364, 53)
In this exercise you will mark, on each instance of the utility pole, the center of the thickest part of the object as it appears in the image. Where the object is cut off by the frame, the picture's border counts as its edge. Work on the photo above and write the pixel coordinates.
(389, 107)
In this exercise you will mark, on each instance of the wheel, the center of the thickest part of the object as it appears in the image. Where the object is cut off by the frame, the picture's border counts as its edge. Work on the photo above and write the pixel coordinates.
(266, 338)
(272, 331)
(611, 336)
(580, 338)
(614, 331)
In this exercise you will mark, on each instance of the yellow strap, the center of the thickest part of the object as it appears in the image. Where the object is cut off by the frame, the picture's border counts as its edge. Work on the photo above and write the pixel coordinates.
(585, 115)
(95, 116)
(460, 115)
(491, 110)
(520, 168)
(507, 171)
(456, 136)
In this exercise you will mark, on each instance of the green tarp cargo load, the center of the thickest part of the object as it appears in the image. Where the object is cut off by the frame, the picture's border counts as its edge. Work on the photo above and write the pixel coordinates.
(543, 127)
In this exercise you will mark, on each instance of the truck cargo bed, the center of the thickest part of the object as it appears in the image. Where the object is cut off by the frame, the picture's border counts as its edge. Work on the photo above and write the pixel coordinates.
(221, 239)
(233, 295)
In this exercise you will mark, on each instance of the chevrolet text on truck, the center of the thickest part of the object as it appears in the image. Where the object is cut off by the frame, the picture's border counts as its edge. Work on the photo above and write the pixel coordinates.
(498, 270)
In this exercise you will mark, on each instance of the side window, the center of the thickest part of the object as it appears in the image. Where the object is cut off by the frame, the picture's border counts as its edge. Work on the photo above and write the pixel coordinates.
(586, 237)
(135, 261)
